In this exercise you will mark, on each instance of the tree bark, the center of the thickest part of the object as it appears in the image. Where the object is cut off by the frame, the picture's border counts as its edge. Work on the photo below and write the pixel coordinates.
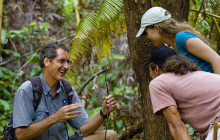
(155, 127)
(178, 8)
(218, 40)
(129, 133)
(1, 5)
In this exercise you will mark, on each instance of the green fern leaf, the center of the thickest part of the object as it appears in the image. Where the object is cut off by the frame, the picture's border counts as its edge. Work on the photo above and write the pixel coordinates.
(98, 30)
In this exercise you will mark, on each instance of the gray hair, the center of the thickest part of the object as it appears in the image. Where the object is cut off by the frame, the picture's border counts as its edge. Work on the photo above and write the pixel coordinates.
(50, 51)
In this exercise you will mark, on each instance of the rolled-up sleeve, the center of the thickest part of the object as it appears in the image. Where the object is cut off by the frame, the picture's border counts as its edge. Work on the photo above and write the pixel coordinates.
(161, 96)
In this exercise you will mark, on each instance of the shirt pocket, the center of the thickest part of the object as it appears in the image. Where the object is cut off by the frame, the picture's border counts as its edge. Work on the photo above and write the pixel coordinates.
(40, 114)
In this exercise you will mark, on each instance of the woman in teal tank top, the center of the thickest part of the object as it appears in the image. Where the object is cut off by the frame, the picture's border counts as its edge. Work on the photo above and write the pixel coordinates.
(159, 27)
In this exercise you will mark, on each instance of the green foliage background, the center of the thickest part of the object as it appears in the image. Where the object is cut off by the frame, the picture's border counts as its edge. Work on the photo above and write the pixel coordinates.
(104, 39)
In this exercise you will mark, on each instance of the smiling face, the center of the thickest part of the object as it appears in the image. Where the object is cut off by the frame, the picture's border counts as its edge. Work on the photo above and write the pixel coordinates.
(153, 34)
(56, 70)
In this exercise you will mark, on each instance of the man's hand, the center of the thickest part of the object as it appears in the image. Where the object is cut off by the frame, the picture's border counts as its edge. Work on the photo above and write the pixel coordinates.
(109, 103)
(35, 129)
(92, 125)
(67, 112)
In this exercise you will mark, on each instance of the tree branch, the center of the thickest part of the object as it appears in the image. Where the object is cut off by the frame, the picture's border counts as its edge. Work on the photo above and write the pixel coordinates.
(79, 92)
(12, 90)
(60, 40)
(216, 23)
(132, 131)
(206, 13)
(9, 61)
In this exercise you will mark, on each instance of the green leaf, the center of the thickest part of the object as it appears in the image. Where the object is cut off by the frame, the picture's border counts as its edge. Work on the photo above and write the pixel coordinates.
(4, 39)
(190, 129)
(33, 24)
(119, 123)
(34, 58)
(25, 30)
(10, 36)
(4, 122)
(94, 98)
(36, 71)
(117, 56)
(187, 125)
(44, 25)
(5, 104)
(2, 74)
(110, 9)
(6, 92)
(16, 31)
(19, 73)
(2, 83)
(16, 55)
(94, 111)
(101, 80)
(95, 29)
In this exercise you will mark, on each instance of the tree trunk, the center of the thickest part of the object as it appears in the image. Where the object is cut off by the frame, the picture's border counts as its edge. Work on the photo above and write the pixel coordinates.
(1, 5)
(155, 127)
(217, 34)
(178, 8)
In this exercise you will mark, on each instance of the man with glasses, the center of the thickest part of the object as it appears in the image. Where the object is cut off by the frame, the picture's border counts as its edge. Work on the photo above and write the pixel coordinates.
(48, 121)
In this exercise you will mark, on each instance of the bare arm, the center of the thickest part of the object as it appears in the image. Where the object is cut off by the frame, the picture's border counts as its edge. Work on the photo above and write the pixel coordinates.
(92, 125)
(198, 48)
(176, 126)
(35, 129)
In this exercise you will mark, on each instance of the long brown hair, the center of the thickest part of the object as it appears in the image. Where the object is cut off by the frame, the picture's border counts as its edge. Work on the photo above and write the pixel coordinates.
(171, 27)
(179, 64)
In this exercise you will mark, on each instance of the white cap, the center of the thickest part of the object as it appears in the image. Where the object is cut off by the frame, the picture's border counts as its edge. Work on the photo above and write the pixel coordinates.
(152, 16)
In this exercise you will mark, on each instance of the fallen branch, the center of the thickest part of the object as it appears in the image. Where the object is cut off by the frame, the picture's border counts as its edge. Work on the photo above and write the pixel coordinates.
(132, 131)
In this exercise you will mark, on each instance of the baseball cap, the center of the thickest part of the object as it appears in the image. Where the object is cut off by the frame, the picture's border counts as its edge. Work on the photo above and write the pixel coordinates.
(152, 16)
(160, 55)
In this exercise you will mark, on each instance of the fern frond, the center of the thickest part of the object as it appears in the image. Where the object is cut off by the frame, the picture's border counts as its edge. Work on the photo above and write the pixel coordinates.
(81, 41)
(70, 77)
(110, 9)
(98, 30)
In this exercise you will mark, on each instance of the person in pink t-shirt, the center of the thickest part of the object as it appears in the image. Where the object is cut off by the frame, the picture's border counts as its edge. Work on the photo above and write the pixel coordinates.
(183, 94)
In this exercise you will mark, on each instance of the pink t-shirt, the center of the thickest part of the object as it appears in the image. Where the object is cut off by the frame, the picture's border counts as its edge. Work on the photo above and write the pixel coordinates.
(196, 95)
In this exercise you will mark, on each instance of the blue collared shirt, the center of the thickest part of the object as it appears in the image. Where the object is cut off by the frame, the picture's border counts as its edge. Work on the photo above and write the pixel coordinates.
(24, 114)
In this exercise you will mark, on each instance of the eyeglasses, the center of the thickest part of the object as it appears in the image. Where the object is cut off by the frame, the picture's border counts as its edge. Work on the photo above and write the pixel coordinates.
(63, 61)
